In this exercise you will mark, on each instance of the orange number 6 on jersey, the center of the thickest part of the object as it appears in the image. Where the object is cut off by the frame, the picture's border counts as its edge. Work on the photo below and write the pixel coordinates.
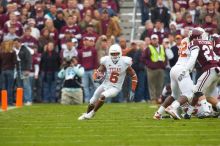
(114, 77)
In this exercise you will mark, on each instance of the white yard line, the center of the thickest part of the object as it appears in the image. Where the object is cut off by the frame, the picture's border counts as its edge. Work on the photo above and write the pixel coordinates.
(9, 108)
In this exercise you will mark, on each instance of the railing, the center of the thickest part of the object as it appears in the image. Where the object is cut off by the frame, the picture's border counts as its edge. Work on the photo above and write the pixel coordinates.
(133, 30)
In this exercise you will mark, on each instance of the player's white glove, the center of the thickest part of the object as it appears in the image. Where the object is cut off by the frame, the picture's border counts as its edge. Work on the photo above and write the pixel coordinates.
(131, 97)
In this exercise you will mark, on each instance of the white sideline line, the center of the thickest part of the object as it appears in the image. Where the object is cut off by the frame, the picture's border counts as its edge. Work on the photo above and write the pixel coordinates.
(9, 108)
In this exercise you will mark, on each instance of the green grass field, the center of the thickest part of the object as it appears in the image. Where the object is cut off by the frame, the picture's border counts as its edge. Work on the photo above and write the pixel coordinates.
(128, 124)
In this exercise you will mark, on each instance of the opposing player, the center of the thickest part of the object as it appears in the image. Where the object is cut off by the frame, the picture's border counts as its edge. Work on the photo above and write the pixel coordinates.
(115, 67)
(202, 52)
(181, 83)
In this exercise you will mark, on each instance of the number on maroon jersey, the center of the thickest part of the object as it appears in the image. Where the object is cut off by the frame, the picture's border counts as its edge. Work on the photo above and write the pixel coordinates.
(208, 52)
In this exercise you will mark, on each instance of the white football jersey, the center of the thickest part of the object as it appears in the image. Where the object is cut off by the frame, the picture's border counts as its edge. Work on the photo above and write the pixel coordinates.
(115, 73)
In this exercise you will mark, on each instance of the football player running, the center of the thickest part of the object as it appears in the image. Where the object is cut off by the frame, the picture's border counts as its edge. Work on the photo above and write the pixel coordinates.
(181, 83)
(115, 67)
(202, 52)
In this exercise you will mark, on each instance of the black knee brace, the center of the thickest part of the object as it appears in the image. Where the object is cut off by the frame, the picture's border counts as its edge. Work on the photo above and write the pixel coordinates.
(198, 94)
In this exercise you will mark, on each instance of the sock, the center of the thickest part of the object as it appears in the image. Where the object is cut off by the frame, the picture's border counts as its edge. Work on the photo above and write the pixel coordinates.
(161, 110)
(204, 105)
(218, 106)
(190, 110)
(175, 104)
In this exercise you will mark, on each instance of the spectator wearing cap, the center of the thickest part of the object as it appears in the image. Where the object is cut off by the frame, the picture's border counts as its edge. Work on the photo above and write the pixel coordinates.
(208, 26)
(159, 30)
(27, 39)
(35, 32)
(148, 28)
(72, 27)
(155, 59)
(88, 59)
(104, 5)
(52, 30)
(59, 22)
(90, 32)
(13, 21)
(101, 47)
(108, 26)
(11, 35)
(49, 65)
(210, 10)
(68, 50)
(160, 12)
(8, 61)
(24, 62)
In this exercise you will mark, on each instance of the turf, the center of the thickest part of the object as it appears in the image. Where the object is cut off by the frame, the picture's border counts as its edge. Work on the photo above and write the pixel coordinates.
(114, 125)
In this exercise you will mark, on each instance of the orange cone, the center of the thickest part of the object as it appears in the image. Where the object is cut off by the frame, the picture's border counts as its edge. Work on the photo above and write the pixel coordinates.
(19, 97)
(4, 100)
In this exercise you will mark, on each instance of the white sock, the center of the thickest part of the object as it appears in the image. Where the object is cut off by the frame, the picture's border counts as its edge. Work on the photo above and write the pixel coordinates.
(204, 105)
(218, 106)
(175, 104)
(190, 110)
(161, 110)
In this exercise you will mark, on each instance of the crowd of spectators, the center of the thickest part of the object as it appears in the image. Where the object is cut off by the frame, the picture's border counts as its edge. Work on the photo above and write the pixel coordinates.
(166, 23)
(40, 37)
(44, 42)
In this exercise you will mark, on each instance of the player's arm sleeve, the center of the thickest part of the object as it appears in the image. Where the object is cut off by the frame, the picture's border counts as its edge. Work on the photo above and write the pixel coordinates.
(192, 60)
(134, 80)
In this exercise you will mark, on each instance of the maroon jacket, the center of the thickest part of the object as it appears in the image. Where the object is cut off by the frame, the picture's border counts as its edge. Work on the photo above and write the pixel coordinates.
(88, 58)
(8, 60)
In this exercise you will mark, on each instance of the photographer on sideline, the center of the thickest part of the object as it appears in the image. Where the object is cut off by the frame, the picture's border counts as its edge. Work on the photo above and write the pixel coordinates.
(72, 73)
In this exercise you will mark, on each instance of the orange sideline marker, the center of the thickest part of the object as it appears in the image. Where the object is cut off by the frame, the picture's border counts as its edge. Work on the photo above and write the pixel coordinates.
(19, 97)
(4, 100)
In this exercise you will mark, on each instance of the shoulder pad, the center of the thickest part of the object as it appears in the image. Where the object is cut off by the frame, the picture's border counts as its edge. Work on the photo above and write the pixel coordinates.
(104, 59)
(127, 60)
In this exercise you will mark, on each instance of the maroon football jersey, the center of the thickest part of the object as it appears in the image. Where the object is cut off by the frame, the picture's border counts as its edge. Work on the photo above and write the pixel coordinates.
(206, 58)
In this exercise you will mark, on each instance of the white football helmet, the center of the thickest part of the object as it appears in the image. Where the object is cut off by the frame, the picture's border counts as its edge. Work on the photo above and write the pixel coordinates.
(115, 53)
(204, 35)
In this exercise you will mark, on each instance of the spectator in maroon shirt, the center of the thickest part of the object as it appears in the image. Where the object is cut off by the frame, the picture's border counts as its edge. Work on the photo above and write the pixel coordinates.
(88, 59)
(60, 4)
(13, 20)
(182, 3)
(90, 32)
(28, 40)
(72, 27)
(179, 21)
(209, 27)
(39, 18)
(159, 30)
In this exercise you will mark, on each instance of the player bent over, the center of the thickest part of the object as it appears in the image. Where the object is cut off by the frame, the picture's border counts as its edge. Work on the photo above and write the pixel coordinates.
(113, 68)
